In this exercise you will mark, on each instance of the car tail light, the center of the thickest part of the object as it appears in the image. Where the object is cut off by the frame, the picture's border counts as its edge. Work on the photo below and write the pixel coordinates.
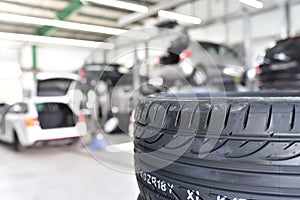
(82, 74)
(33, 121)
(257, 69)
(185, 54)
(132, 119)
(81, 118)
(158, 62)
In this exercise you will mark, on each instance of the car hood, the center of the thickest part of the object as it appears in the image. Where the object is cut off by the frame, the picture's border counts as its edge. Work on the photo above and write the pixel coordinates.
(62, 99)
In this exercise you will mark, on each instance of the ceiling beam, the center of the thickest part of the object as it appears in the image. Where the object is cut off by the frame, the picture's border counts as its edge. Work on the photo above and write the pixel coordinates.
(62, 15)
(31, 6)
(237, 15)
(136, 16)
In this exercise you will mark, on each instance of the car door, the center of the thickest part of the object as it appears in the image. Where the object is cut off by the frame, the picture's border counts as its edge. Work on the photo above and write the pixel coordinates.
(12, 119)
(3, 110)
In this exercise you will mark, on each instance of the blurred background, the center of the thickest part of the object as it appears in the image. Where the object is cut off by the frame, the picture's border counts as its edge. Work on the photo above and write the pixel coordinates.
(73, 70)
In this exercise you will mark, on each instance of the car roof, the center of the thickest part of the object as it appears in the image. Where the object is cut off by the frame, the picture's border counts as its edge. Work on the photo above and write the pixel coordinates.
(55, 99)
(108, 64)
(289, 38)
(211, 43)
(56, 75)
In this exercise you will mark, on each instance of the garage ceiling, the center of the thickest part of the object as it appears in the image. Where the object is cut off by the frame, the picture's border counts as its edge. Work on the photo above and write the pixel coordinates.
(84, 13)
(89, 13)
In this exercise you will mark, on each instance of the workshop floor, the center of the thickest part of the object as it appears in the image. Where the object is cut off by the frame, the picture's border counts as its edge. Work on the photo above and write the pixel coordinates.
(69, 172)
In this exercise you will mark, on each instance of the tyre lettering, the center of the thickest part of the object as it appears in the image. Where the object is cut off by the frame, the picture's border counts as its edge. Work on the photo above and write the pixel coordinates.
(190, 195)
(219, 197)
(170, 186)
(156, 182)
(193, 195)
(153, 181)
(148, 179)
(198, 194)
(163, 186)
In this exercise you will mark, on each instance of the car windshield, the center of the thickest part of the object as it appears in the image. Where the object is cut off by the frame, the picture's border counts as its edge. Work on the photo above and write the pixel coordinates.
(218, 49)
(53, 87)
(103, 67)
(292, 46)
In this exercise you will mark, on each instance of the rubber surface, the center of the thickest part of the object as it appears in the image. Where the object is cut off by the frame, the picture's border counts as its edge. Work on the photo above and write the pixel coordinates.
(238, 147)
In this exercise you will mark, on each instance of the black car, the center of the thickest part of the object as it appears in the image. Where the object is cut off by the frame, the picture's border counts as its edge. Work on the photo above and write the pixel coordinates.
(279, 66)
(102, 79)
(92, 73)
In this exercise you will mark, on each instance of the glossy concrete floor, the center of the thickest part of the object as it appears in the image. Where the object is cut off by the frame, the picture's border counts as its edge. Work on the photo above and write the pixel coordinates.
(69, 172)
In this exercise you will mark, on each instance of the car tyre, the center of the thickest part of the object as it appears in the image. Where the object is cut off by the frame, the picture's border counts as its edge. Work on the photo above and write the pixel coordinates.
(255, 155)
(198, 77)
(17, 147)
(73, 141)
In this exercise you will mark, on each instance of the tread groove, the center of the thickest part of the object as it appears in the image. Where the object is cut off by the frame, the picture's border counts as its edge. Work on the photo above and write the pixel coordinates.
(292, 119)
(290, 145)
(227, 116)
(245, 122)
(192, 115)
(244, 143)
(269, 118)
(178, 116)
(208, 117)
(165, 115)
(263, 145)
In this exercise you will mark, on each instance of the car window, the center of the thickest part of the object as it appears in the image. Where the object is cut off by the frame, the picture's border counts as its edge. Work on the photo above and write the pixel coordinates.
(53, 87)
(18, 108)
(3, 107)
(225, 51)
(100, 68)
(292, 46)
(209, 47)
(218, 49)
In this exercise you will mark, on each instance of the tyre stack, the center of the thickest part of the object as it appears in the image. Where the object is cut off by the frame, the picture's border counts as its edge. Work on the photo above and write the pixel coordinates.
(226, 147)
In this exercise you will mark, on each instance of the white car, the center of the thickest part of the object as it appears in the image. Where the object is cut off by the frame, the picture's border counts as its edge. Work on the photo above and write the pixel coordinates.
(41, 118)
(38, 120)
(200, 63)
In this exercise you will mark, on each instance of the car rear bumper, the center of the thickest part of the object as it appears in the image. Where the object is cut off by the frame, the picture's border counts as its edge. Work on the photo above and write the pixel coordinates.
(279, 81)
(36, 134)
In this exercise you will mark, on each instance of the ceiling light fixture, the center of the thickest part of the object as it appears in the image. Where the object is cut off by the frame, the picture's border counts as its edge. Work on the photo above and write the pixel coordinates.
(60, 24)
(55, 41)
(254, 3)
(122, 5)
(179, 17)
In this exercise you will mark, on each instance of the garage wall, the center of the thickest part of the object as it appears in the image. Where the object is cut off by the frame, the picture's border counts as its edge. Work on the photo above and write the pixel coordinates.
(266, 27)
(11, 73)
(54, 58)
(9, 52)
(265, 30)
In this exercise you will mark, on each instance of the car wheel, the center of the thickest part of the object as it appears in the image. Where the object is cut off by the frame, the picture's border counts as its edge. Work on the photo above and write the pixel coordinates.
(243, 146)
(198, 77)
(16, 144)
(73, 141)
(140, 197)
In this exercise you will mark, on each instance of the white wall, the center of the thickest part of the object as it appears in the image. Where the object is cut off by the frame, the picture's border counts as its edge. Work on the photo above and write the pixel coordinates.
(55, 58)
(266, 27)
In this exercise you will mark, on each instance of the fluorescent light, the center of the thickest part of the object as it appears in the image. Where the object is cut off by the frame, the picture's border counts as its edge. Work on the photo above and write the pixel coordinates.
(55, 40)
(60, 24)
(122, 5)
(254, 3)
(179, 17)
